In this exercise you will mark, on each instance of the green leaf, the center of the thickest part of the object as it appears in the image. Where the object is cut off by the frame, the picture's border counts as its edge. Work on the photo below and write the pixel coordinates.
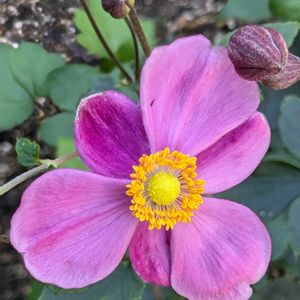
(286, 9)
(289, 30)
(246, 10)
(68, 84)
(56, 127)
(279, 153)
(269, 190)
(28, 152)
(280, 235)
(284, 157)
(65, 146)
(22, 74)
(31, 64)
(294, 221)
(122, 284)
(289, 125)
(115, 31)
(279, 289)
(16, 104)
(36, 290)
(291, 264)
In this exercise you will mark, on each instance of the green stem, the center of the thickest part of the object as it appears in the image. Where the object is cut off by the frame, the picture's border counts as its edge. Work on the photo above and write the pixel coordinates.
(139, 30)
(136, 50)
(103, 41)
(46, 164)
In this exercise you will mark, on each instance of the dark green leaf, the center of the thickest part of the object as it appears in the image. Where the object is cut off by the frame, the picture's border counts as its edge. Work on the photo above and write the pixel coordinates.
(246, 10)
(284, 157)
(36, 289)
(294, 221)
(28, 152)
(291, 264)
(16, 104)
(115, 31)
(279, 153)
(286, 9)
(278, 289)
(31, 64)
(56, 127)
(272, 103)
(289, 124)
(68, 84)
(23, 72)
(122, 284)
(269, 190)
(280, 235)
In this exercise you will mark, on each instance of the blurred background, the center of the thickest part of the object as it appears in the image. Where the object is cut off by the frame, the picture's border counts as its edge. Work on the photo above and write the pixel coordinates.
(54, 83)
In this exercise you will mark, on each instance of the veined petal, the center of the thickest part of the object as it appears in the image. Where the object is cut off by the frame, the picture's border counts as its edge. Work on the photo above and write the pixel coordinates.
(73, 227)
(109, 134)
(191, 96)
(235, 156)
(150, 254)
(224, 250)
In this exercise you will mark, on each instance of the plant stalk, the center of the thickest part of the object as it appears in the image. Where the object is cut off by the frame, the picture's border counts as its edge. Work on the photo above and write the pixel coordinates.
(46, 164)
(136, 50)
(103, 41)
(139, 30)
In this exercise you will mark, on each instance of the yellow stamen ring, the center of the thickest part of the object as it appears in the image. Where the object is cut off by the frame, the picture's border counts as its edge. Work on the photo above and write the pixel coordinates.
(165, 189)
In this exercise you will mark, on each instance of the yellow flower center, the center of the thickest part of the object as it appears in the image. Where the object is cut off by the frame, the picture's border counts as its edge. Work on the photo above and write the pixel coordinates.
(165, 189)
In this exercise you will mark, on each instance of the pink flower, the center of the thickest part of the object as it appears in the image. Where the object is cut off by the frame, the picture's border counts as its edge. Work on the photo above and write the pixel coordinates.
(196, 133)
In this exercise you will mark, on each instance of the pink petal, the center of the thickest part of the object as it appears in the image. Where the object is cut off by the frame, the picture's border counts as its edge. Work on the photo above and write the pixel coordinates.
(150, 255)
(191, 96)
(109, 134)
(224, 250)
(235, 156)
(73, 227)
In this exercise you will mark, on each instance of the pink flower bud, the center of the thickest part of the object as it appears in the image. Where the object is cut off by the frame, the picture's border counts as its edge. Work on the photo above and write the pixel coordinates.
(287, 77)
(118, 9)
(257, 52)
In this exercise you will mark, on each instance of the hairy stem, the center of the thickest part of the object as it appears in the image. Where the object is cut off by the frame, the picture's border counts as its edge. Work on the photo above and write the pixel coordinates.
(136, 50)
(103, 41)
(139, 30)
(46, 164)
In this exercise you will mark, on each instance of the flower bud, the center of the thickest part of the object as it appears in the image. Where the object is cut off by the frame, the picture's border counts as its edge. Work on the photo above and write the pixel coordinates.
(118, 9)
(287, 77)
(257, 52)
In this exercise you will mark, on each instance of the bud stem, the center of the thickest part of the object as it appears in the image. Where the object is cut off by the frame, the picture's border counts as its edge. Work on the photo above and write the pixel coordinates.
(46, 164)
(139, 30)
(103, 41)
(136, 50)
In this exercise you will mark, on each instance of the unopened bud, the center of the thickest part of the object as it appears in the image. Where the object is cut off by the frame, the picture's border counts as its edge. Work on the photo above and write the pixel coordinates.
(287, 77)
(118, 9)
(257, 52)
